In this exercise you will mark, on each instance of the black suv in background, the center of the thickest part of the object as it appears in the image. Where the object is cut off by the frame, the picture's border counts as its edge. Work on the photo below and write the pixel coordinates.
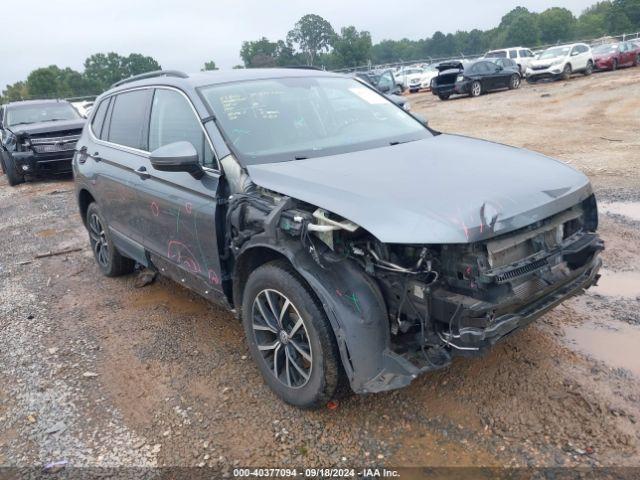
(355, 243)
(38, 137)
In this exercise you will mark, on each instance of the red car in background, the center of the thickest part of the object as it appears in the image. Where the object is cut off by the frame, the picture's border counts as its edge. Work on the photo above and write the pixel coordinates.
(613, 55)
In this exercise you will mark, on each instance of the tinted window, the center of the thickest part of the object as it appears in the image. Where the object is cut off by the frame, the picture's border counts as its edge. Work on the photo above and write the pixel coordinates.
(524, 53)
(513, 54)
(173, 120)
(98, 118)
(496, 54)
(128, 119)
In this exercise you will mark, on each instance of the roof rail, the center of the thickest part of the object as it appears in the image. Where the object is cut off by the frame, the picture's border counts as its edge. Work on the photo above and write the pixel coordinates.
(156, 73)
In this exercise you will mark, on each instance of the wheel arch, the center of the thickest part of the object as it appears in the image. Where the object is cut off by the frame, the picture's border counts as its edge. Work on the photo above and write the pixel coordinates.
(352, 302)
(85, 198)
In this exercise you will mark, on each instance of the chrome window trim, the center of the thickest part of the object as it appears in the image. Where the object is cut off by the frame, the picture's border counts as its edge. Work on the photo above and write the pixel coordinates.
(146, 153)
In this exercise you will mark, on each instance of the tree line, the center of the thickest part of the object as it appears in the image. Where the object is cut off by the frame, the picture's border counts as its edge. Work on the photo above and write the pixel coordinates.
(314, 42)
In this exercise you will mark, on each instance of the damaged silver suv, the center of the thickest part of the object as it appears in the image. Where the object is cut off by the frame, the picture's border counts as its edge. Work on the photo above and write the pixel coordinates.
(355, 243)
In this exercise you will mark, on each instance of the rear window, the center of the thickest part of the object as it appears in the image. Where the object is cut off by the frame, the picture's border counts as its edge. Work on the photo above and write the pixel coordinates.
(129, 118)
(98, 118)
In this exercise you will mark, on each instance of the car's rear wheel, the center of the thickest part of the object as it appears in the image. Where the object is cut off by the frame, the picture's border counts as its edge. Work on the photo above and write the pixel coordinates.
(9, 167)
(566, 72)
(514, 81)
(476, 88)
(109, 260)
(589, 69)
(614, 65)
(289, 337)
(443, 96)
(636, 61)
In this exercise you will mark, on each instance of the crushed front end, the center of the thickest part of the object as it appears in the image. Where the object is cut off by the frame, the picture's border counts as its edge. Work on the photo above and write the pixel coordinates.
(45, 153)
(398, 310)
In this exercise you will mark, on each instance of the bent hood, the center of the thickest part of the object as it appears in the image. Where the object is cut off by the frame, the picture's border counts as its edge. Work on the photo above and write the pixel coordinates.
(444, 189)
(47, 127)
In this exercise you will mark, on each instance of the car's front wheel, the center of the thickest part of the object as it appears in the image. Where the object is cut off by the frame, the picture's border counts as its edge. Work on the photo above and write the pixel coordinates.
(289, 337)
(476, 89)
(443, 96)
(109, 260)
(566, 72)
(514, 82)
(614, 65)
(9, 167)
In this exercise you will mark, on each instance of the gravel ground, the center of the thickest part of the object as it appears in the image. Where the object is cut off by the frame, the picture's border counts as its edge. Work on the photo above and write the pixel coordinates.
(97, 372)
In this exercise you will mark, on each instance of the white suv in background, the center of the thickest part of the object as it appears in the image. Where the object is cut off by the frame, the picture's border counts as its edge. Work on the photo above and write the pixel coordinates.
(560, 62)
(522, 56)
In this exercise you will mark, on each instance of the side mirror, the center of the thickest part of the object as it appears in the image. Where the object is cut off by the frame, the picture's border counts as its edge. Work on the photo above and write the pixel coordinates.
(573, 54)
(177, 157)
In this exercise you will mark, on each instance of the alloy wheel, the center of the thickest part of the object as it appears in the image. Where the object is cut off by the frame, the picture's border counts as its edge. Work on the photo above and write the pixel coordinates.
(98, 240)
(282, 338)
(515, 81)
(476, 89)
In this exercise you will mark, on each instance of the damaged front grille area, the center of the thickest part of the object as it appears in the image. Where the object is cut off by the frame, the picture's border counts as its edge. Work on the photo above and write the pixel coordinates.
(519, 271)
(54, 144)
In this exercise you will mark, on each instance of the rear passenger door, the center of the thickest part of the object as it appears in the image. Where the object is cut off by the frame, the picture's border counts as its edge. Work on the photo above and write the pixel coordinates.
(119, 138)
(178, 211)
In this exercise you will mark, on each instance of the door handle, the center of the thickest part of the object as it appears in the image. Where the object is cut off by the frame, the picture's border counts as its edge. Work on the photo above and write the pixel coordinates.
(142, 172)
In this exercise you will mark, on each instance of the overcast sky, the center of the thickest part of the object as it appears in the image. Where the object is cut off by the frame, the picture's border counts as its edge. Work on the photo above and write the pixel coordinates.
(183, 34)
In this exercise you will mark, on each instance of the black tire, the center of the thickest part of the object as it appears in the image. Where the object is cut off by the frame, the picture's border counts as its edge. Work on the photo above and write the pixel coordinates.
(614, 65)
(514, 81)
(109, 260)
(566, 72)
(475, 90)
(636, 61)
(589, 70)
(530, 80)
(9, 167)
(443, 96)
(273, 284)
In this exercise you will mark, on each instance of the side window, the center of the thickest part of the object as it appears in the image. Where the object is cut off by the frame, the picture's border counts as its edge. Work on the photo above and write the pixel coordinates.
(173, 120)
(513, 54)
(129, 118)
(98, 118)
(524, 53)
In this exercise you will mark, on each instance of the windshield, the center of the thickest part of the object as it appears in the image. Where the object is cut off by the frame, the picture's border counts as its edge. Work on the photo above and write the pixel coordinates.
(284, 119)
(26, 114)
(606, 48)
(555, 52)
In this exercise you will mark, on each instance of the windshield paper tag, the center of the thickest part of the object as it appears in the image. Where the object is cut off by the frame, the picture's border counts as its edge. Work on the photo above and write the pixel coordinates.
(368, 96)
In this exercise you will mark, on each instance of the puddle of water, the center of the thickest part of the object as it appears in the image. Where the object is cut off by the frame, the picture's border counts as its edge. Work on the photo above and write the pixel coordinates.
(618, 284)
(616, 344)
(628, 209)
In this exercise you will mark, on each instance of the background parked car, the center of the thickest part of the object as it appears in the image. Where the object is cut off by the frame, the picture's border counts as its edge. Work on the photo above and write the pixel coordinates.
(560, 62)
(386, 84)
(473, 78)
(411, 79)
(520, 55)
(38, 136)
(614, 55)
(505, 63)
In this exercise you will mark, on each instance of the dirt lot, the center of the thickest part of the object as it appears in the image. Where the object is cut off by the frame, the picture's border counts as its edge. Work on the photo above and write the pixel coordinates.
(97, 372)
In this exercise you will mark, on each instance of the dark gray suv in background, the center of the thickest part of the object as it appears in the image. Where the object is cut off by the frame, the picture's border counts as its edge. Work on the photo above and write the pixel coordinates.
(355, 243)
